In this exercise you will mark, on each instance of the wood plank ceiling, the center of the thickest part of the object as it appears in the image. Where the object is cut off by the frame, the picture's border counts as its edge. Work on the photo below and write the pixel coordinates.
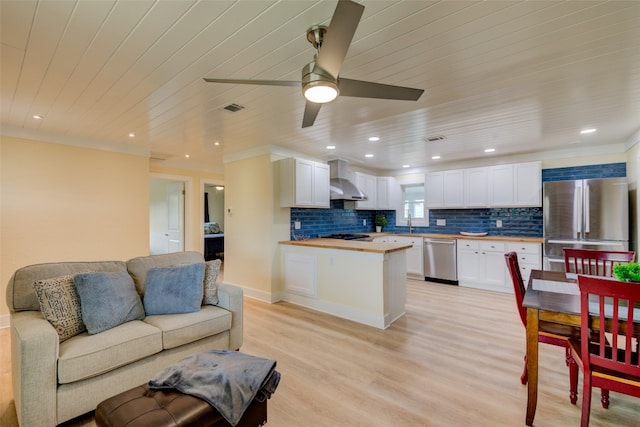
(520, 77)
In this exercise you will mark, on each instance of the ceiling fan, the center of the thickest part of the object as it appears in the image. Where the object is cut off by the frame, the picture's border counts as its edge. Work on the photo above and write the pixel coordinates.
(321, 82)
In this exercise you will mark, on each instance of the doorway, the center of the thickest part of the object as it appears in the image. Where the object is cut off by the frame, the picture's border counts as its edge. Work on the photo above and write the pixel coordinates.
(167, 201)
(212, 193)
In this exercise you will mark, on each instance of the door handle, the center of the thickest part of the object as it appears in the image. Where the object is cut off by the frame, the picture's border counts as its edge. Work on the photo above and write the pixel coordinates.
(586, 209)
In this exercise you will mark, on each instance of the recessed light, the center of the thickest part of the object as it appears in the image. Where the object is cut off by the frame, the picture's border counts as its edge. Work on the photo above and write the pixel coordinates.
(187, 156)
(132, 135)
(368, 155)
(435, 157)
(37, 116)
(331, 147)
(216, 143)
(586, 131)
(374, 138)
(489, 150)
(406, 166)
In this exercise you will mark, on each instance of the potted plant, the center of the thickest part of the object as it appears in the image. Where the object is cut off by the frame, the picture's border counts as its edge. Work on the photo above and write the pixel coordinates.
(380, 222)
(627, 272)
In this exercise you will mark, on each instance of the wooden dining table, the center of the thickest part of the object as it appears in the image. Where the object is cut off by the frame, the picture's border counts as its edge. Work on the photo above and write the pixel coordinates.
(551, 296)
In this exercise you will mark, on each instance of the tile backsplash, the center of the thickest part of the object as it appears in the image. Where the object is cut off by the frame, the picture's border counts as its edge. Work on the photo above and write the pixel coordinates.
(526, 222)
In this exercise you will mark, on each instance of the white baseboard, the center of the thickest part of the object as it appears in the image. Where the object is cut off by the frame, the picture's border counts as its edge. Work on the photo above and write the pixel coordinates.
(256, 294)
(4, 321)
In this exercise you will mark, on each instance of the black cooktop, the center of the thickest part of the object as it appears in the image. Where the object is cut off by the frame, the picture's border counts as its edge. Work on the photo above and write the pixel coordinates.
(346, 236)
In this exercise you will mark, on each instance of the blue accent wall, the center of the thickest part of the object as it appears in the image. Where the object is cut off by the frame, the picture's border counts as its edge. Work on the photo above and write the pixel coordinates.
(525, 222)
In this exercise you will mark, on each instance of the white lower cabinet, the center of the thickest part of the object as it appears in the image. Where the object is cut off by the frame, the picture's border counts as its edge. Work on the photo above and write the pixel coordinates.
(300, 274)
(415, 260)
(481, 265)
(529, 257)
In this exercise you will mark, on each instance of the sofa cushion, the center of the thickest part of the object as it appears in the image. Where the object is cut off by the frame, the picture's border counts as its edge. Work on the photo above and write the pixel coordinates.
(179, 329)
(140, 266)
(173, 290)
(60, 305)
(108, 300)
(85, 356)
(211, 270)
(20, 293)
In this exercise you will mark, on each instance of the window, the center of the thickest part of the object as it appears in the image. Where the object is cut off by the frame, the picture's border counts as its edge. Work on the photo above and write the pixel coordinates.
(413, 201)
(412, 196)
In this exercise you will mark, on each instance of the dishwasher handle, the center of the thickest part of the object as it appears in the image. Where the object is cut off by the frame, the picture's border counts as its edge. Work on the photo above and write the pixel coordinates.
(441, 242)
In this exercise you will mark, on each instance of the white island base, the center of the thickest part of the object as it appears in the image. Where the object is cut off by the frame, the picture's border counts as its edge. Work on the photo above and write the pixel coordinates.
(366, 286)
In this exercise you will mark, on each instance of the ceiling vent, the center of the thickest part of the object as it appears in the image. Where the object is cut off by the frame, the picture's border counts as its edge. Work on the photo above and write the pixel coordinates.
(234, 107)
(435, 138)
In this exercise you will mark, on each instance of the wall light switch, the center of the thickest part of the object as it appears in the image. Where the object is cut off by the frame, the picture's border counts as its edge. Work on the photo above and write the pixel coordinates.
(296, 225)
(499, 223)
(441, 222)
(364, 222)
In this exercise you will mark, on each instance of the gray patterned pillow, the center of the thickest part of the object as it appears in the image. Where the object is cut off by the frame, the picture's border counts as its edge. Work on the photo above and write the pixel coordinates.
(60, 305)
(210, 287)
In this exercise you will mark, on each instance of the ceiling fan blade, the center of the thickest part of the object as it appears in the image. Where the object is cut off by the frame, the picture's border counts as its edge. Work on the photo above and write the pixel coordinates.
(336, 41)
(256, 82)
(362, 89)
(311, 110)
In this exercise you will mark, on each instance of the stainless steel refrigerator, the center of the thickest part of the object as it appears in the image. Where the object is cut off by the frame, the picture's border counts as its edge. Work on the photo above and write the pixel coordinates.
(586, 214)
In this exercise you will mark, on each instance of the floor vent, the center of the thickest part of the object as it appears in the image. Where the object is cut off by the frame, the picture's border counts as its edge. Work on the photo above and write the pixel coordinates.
(435, 138)
(234, 107)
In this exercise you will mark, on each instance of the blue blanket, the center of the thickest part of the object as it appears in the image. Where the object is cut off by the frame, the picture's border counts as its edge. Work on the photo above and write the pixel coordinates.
(227, 380)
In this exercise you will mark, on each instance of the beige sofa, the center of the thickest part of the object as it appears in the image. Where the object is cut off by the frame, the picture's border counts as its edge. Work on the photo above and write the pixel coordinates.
(56, 381)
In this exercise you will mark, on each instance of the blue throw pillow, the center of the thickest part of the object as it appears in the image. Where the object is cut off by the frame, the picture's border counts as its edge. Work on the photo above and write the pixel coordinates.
(172, 290)
(107, 300)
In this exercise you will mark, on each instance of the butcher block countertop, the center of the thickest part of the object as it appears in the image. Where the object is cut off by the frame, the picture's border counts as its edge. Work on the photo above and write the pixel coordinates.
(461, 237)
(350, 245)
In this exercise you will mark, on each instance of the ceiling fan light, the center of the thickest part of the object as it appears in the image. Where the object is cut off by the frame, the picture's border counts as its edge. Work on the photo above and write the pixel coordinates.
(320, 92)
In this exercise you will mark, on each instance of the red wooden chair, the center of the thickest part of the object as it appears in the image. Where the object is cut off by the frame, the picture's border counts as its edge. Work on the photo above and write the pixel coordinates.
(594, 262)
(611, 366)
(549, 333)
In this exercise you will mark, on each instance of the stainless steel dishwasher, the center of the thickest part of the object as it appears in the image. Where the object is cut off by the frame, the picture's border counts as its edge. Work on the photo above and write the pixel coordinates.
(440, 260)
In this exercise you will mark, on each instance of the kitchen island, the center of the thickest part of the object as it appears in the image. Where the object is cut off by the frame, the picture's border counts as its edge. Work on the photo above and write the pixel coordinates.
(356, 280)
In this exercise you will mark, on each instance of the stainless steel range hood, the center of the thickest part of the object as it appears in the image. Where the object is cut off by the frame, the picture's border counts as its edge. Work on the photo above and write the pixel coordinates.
(341, 187)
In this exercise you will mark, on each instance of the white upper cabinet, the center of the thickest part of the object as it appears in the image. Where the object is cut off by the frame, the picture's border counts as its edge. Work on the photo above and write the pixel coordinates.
(453, 191)
(444, 189)
(367, 184)
(386, 193)
(475, 187)
(501, 188)
(509, 185)
(434, 190)
(304, 183)
(528, 184)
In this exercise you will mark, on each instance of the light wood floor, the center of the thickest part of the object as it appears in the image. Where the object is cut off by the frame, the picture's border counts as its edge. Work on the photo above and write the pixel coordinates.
(454, 359)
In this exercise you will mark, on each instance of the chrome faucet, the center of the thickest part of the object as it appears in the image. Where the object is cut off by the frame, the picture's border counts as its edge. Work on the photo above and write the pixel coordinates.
(409, 223)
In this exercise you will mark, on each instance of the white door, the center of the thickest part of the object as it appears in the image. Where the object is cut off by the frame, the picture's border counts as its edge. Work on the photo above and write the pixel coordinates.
(166, 216)
(175, 217)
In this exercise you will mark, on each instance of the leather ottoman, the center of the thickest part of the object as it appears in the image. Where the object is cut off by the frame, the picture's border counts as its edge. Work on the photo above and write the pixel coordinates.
(143, 407)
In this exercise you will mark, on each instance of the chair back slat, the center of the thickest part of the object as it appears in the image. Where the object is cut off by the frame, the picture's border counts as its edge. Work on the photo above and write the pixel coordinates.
(594, 262)
(518, 284)
(618, 307)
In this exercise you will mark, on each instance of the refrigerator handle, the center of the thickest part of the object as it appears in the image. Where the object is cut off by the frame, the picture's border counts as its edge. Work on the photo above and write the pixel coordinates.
(577, 214)
(587, 208)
